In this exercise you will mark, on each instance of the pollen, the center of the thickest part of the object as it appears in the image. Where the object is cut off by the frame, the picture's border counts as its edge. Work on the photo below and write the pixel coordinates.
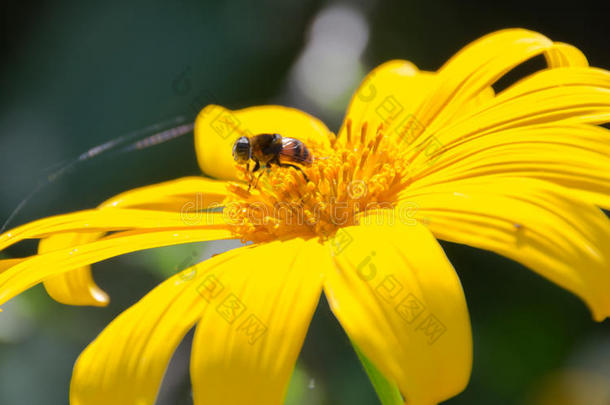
(363, 171)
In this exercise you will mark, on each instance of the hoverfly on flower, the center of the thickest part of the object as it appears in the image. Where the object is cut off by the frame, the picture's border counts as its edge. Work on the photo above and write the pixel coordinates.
(522, 172)
(271, 149)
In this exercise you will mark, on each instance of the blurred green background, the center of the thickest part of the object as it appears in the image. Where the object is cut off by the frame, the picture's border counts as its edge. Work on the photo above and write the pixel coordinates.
(76, 74)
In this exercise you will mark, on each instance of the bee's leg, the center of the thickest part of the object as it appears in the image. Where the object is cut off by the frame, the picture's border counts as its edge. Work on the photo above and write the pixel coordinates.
(258, 177)
(296, 167)
(256, 167)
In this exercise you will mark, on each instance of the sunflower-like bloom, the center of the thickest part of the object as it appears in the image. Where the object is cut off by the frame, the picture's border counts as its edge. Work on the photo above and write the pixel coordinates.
(420, 156)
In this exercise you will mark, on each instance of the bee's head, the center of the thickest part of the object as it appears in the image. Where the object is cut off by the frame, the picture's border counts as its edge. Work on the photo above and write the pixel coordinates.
(241, 150)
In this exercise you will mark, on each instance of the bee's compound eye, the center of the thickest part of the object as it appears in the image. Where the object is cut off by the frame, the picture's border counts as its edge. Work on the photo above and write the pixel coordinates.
(241, 150)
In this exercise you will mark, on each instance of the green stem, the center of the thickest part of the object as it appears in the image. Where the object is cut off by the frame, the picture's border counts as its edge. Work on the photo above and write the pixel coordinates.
(386, 390)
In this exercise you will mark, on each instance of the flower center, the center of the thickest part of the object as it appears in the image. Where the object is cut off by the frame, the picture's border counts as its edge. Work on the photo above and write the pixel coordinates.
(360, 174)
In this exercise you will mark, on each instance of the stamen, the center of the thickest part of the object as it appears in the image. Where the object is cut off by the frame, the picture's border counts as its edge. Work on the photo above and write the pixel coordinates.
(348, 126)
(363, 133)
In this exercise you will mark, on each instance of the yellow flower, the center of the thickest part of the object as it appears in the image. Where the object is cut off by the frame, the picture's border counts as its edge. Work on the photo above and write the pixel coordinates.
(420, 155)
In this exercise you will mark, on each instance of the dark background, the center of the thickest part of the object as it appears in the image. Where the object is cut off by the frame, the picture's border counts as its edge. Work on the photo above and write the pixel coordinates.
(77, 74)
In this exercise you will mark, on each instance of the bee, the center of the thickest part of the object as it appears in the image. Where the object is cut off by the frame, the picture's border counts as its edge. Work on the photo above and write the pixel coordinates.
(271, 149)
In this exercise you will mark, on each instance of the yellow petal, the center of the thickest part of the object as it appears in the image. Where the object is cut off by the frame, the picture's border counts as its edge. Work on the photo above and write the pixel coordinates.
(126, 362)
(75, 287)
(534, 222)
(387, 96)
(250, 335)
(175, 195)
(107, 220)
(560, 96)
(187, 195)
(480, 64)
(6, 264)
(400, 300)
(565, 55)
(573, 156)
(567, 78)
(216, 129)
(35, 269)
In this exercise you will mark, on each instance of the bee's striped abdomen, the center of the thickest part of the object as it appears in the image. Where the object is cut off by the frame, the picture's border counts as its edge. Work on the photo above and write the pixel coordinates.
(295, 151)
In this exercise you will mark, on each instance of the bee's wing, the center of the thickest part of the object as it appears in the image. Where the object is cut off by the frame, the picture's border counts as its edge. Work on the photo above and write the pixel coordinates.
(295, 151)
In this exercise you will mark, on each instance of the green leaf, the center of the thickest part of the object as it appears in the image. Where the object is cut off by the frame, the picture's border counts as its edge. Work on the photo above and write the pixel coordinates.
(386, 390)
